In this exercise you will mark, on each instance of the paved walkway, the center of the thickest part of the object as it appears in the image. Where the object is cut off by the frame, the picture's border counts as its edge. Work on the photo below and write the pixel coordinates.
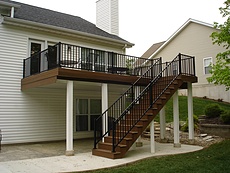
(86, 161)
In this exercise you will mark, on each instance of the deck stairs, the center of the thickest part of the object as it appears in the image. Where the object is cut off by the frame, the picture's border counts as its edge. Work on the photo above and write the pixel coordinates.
(124, 129)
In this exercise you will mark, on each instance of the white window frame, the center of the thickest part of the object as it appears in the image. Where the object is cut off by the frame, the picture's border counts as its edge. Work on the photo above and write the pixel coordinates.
(205, 66)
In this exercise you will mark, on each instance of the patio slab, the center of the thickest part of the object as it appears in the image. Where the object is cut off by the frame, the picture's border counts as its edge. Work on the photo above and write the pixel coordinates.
(85, 161)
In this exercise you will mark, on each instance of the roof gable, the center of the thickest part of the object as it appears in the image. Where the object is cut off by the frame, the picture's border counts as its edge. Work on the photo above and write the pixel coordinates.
(175, 34)
(152, 49)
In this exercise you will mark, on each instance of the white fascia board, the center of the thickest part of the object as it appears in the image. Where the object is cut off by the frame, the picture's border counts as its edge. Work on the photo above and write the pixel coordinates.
(178, 31)
(64, 31)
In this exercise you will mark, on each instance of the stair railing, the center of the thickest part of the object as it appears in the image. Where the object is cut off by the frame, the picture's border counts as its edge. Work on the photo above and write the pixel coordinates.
(143, 99)
(181, 64)
(147, 73)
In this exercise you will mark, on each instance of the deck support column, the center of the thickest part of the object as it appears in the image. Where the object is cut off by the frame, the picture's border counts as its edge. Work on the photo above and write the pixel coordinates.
(104, 106)
(152, 138)
(190, 113)
(69, 119)
(162, 123)
(176, 120)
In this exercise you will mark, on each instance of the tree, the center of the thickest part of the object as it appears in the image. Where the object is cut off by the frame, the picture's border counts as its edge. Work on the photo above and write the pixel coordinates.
(221, 70)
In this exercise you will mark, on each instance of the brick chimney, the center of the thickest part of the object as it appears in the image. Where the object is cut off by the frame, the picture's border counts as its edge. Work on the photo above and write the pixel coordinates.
(107, 17)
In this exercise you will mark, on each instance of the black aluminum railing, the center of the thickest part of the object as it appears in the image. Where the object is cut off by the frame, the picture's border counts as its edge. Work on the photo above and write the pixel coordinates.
(120, 105)
(122, 121)
(82, 58)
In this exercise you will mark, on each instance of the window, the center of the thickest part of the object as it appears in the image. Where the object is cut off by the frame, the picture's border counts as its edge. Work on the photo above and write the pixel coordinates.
(86, 111)
(207, 63)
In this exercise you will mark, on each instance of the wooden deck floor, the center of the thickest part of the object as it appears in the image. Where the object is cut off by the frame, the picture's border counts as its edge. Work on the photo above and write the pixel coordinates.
(51, 76)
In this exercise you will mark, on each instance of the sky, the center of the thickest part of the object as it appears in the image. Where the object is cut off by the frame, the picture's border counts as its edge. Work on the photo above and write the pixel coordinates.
(142, 22)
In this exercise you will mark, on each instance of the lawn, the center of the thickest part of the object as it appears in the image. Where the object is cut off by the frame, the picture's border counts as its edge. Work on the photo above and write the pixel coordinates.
(198, 107)
(214, 159)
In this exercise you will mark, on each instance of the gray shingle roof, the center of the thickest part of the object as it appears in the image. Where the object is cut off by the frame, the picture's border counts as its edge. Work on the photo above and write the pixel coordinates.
(49, 17)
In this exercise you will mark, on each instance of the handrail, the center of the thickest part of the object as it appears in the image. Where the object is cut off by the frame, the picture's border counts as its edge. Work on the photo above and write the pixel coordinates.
(116, 109)
(181, 64)
(82, 58)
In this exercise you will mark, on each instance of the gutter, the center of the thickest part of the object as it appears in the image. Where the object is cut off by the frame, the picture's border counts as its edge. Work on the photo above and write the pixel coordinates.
(63, 31)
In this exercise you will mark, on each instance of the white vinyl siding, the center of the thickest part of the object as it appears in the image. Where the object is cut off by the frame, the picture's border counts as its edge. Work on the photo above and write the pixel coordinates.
(114, 17)
(37, 114)
(206, 64)
(107, 16)
(103, 15)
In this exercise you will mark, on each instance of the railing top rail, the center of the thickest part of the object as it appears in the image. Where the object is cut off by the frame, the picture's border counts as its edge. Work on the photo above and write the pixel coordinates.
(101, 60)
(119, 54)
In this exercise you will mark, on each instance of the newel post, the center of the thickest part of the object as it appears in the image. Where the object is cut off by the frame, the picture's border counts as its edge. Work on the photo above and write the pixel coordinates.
(179, 63)
(59, 54)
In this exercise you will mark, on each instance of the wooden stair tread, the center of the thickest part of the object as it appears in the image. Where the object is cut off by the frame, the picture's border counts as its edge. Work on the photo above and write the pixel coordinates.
(106, 153)
(132, 132)
(127, 139)
(142, 119)
(110, 144)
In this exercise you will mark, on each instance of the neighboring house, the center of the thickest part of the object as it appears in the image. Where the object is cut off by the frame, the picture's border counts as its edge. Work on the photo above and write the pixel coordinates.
(193, 38)
(59, 73)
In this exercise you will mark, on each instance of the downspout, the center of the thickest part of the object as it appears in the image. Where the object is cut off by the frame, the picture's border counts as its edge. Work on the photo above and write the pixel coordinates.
(124, 49)
(12, 12)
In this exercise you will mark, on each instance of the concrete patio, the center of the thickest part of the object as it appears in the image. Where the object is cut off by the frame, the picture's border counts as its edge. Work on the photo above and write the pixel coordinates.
(50, 158)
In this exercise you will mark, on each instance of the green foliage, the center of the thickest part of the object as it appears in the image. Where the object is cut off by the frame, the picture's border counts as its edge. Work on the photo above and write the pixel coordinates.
(198, 107)
(213, 110)
(184, 128)
(221, 70)
(209, 160)
(225, 117)
(129, 65)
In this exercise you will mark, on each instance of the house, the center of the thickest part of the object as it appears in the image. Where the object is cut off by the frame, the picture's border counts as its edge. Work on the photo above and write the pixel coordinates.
(36, 111)
(64, 78)
(193, 38)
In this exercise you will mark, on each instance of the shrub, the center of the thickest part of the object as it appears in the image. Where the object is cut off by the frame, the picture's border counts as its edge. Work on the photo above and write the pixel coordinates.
(184, 128)
(225, 117)
(212, 110)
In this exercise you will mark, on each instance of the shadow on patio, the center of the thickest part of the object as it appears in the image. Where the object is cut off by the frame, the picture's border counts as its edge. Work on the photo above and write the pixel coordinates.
(42, 149)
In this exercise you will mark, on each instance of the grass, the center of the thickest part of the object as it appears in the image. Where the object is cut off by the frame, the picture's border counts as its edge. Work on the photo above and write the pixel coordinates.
(198, 107)
(214, 159)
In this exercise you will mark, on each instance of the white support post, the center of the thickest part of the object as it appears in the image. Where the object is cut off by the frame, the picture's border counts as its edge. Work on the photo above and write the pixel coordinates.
(176, 120)
(152, 138)
(69, 119)
(104, 104)
(190, 112)
(162, 123)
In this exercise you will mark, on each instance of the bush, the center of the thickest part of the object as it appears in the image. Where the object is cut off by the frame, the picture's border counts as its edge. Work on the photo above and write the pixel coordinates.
(212, 110)
(225, 117)
(184, 128)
